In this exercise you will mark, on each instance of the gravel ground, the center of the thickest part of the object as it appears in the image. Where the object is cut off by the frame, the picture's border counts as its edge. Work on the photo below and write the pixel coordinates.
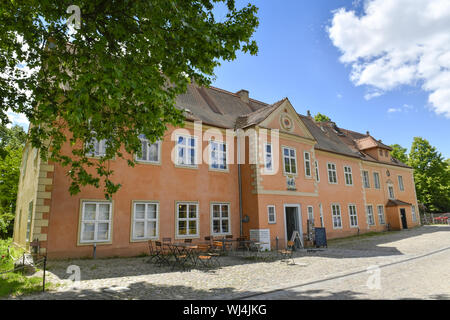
(134, 278)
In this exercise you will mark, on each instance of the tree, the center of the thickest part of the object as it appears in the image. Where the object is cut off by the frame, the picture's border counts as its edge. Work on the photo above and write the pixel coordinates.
(321, 118)
(399, 153)
(431, 175)
(114, 76)
(13, 141)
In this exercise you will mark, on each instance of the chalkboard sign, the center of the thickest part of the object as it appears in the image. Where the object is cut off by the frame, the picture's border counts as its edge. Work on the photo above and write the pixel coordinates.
(321, 237)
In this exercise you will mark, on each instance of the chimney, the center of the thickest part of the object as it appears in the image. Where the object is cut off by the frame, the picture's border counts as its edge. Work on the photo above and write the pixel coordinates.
(368, 133)
(243, 94)
(308, 113)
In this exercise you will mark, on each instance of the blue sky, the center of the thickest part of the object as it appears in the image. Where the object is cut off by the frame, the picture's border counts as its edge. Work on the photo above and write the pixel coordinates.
(297, 59)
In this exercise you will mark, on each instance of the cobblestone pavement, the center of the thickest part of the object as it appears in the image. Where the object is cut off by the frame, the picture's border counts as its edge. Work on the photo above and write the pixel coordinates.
(414, 264)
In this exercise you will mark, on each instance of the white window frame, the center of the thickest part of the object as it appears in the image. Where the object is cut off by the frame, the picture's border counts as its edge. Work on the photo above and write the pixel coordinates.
(381, 214)
(316, 165)
(220, 218)
(101, 148)
(290, 158)
(270, 155)
(96, 221)
(348, 175)
(352, 215)
(366, 179)
(321, 215)
(369, 215)
(274, 220)
(220, 153)
(187, 219)
(146, 220)
(310, 213)
(307, 163)
(158, 143)
(332, 171)
(187, 147)
(413, 213)
(391, 187)
(401, 186)
(335, 216)
(376, 181)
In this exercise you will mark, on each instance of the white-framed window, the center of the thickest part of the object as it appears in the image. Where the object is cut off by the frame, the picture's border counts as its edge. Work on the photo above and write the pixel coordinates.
(348, 175)
(307, 160)
(187, 219)
(316, 166)
(186, 151)
(290, 160)
(413, 213)
(370, 218)
(150, 152)
(400, 183)
(332, 174)
(366, 181)
(381, 218)
(353, 215)
(145, 220)
(218, 155)
(336, 214)
(376, 180)
(96, 221)
(97, 148)
(268, 158)
(391, 193)
(220, 216)
(271, 214)
(321, 215)
(310, 210)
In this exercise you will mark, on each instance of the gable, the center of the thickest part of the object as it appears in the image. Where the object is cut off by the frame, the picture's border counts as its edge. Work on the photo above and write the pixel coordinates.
(286, 119)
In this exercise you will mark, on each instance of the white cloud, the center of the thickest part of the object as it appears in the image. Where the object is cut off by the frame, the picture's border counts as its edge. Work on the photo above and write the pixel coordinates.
(17, 118)
(392, 110)
(396, 43)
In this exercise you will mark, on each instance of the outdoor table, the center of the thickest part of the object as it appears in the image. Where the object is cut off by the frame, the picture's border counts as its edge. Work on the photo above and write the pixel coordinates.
(187, 249)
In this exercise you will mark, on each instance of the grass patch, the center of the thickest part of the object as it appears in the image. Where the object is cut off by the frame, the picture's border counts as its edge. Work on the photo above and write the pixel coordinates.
(15, 283)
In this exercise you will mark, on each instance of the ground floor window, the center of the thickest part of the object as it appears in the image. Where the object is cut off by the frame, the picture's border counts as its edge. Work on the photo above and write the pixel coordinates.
(381, 218)
(272, 217)
(370, 219)
(311, 214)
(353, 215)
(145, 220)
(187, 219)
(336, 213)
(220, 218)
(96, 221)
(413, 213)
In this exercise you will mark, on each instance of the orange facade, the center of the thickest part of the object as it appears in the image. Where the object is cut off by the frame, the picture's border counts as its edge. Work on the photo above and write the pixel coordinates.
(166, 199)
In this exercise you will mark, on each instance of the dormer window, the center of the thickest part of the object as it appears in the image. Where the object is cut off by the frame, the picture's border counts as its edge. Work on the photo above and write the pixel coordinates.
(381, 152)
(386, 153)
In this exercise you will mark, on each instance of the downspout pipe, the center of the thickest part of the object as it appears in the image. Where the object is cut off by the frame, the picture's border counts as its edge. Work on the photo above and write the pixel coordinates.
(239, 181)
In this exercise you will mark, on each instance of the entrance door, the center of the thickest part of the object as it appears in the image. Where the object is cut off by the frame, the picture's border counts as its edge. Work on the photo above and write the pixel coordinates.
(292, 219)
(403, 216)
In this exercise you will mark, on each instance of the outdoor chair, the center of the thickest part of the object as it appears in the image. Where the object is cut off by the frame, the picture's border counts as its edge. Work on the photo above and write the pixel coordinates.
(228, 245)
(287, 253)
(162, 256)
(206, 258)
(217, 247)
(187, 240)
(180, 257)
(208, 239)
(152, 252)
(166, 239)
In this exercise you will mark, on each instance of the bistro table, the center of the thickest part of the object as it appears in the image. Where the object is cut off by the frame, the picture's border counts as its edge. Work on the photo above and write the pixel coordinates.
(183, 252)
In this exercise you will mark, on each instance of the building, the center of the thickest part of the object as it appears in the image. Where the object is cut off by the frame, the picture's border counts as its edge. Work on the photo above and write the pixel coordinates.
(282, 172)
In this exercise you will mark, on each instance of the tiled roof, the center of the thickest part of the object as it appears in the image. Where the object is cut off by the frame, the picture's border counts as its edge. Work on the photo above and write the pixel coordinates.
(224, 109)
(396, 202)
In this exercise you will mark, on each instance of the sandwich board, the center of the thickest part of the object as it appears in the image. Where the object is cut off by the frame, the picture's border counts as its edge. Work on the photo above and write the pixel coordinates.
(297, 239)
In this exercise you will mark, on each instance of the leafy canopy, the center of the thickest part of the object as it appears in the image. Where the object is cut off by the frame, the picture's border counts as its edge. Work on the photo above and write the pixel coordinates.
(13, 141)
(321, 118)
(431, 175)
(399, 153)
(115, 77)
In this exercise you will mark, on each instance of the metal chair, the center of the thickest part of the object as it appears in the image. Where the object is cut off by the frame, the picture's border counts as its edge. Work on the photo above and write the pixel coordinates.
(287, 253)
(187, 240)
(161, 254)
(206, 258)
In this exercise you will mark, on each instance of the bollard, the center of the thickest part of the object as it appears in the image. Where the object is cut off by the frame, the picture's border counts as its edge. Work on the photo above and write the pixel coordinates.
(94, 250)
(276, 241)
